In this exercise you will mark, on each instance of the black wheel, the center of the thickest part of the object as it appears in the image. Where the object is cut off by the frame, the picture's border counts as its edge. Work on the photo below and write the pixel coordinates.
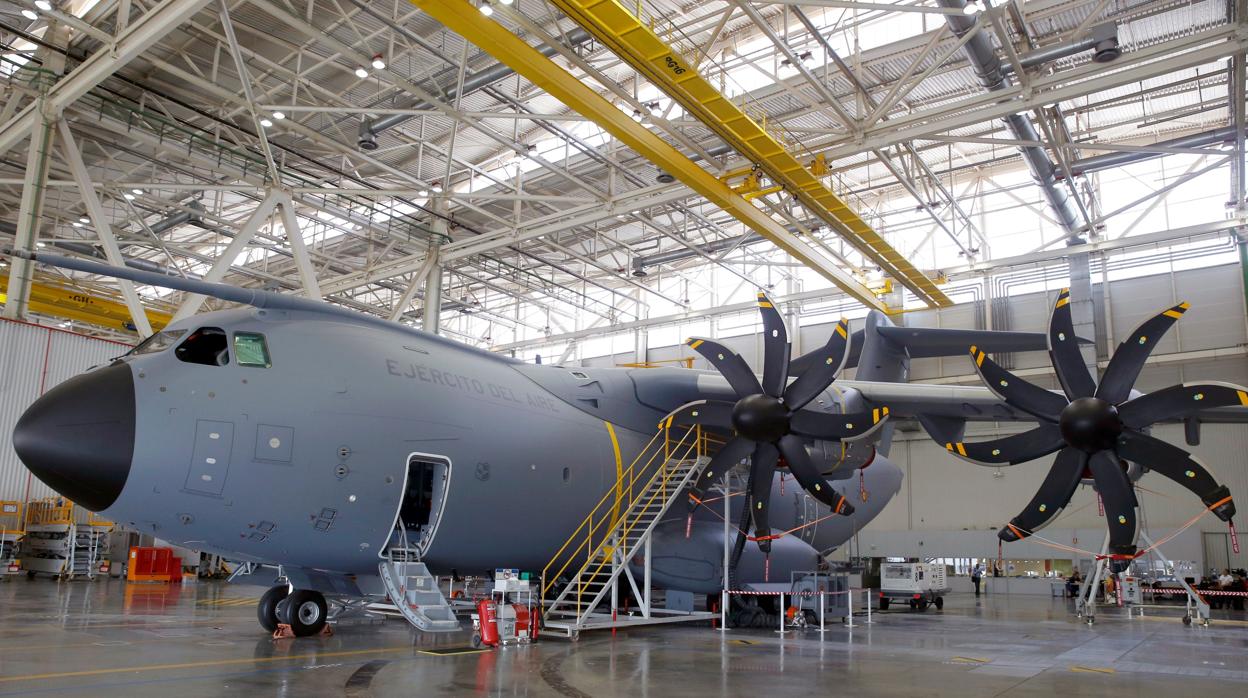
(266, 610)
(883, 603)
(940, 603)
(1187, 620)
(913, 604)
(476, 640)
(922, 604)
(305, 611)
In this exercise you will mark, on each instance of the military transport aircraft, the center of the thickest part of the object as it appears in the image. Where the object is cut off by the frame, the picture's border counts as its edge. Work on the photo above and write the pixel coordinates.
(296, 433)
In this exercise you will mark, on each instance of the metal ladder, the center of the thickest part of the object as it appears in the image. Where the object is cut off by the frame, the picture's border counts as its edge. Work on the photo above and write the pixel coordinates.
(413, 590)
(618, 529)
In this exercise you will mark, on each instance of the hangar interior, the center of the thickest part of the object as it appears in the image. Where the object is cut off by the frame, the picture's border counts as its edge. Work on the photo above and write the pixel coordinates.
(587, 185)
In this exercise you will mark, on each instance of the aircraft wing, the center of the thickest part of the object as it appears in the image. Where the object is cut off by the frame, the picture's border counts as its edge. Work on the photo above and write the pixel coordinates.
(978, 404)
(972, 403)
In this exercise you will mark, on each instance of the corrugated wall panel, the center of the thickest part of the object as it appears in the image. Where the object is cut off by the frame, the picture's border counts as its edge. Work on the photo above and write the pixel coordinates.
(28, 352)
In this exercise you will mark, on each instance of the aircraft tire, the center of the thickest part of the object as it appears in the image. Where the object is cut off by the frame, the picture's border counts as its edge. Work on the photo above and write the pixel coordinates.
(305, 612)
(883, 603)
(940, 603)
(266, 609)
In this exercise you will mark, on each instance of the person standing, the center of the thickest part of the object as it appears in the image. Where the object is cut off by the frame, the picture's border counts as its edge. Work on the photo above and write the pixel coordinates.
(976, 574)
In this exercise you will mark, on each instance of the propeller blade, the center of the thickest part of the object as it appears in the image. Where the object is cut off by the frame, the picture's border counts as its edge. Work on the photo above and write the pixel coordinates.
(775, 348)
(733, 452)
(1064, 352)
(819, 376)
(1010, 450)
(808, 475)
(1124, 366)
(1180, 466)
(1016, 392)
(1121, 508)
(710, 413)
(729, 364)
(1180, 401)
(831, 426)
(1053, 496)
(761, 474)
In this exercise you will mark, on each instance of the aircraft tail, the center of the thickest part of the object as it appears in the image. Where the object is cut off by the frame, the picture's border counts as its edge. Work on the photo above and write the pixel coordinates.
(882, 351)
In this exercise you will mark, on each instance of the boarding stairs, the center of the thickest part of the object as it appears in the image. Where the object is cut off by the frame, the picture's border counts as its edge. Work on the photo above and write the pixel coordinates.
(413, 590)
(584, 573)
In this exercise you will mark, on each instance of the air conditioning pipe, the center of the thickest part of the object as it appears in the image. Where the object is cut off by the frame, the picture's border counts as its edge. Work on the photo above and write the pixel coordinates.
(992, 75)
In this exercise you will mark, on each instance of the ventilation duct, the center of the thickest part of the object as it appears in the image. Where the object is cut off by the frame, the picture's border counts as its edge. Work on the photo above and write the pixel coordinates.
(1196, 140)
(992, 75)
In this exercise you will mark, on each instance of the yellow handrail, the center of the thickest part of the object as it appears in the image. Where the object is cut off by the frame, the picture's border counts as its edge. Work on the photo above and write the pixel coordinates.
(593, 537)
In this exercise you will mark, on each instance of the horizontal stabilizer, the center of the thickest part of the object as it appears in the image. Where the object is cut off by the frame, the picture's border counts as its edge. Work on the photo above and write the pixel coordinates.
(926, 343)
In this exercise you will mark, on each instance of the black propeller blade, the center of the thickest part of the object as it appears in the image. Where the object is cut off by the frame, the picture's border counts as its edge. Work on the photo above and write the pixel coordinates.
(1064, 352)
(769, 420)
(1010, 450)
(1097, 431)
(1054, 493)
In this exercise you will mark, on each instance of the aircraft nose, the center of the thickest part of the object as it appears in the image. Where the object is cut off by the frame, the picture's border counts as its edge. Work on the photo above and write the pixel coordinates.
(79, 437)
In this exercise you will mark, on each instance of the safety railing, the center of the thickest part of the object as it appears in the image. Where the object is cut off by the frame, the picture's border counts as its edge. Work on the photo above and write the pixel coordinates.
(10, 517)
(50, 511)
(651, 477)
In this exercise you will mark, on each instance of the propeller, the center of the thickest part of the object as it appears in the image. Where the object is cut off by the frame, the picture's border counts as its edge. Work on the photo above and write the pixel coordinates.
(768, 420)
(1096, 428)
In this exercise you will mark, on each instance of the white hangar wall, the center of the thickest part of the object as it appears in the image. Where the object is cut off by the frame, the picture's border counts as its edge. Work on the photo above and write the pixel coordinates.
(953, 508)
(34, 359)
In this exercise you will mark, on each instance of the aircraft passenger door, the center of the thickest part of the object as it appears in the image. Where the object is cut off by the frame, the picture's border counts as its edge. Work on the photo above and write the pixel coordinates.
(424, 494)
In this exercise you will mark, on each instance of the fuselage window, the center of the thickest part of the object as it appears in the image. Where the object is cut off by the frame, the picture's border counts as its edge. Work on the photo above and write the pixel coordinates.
(157, 342)
(250, 349)
(207, 346)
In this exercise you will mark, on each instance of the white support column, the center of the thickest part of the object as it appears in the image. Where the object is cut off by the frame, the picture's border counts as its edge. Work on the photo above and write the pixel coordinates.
(298, 248)
(194, 301)
(405, 302)
(95, 211)
(135, 39)
(30, 215)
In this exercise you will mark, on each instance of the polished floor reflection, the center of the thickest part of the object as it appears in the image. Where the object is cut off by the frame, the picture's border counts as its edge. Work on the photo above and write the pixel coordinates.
(110, 638)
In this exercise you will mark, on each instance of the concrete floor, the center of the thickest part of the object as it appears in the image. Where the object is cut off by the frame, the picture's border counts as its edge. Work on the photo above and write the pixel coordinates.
(109, 638)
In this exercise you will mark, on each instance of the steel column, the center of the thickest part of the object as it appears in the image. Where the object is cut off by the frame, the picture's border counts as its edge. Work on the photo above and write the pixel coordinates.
(103, 229)
(30, 212)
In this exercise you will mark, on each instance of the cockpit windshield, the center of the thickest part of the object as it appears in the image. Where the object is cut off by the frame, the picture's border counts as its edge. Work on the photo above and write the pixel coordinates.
(207, 346)
(157, 343)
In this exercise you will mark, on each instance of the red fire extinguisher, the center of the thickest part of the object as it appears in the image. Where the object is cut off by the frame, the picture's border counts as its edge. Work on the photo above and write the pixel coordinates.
(487, 633)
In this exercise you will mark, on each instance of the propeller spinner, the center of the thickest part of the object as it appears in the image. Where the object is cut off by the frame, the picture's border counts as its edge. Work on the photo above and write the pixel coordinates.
(1097, 428)
(768, 419)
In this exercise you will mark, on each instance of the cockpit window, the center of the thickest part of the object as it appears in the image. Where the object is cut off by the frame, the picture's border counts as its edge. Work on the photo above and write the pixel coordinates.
(251, 350)
(157, 342)
(207, 346)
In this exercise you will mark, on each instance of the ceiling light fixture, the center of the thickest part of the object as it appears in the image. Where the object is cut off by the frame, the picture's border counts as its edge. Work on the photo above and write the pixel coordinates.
(266, 123)
(137, 192)
(129, 197)
(505, 2)
(43, 5)
(378, 62)
(487, 9)
(361, 72)
(30, 14)
(279, 115)
(972, 8)
(84, 219)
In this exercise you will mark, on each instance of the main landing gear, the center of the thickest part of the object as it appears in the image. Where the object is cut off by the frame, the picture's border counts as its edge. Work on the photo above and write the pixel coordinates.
(304, 610)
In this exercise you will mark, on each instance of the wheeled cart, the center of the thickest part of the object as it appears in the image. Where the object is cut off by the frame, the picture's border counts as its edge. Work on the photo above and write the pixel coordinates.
(920, 584)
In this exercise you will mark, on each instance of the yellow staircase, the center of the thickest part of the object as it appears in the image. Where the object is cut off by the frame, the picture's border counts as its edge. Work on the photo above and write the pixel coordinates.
(583, 573)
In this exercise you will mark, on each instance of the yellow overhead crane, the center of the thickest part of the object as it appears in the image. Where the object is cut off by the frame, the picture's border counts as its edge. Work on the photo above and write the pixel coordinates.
(638, 45)
(83, 306)
(466, 20)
